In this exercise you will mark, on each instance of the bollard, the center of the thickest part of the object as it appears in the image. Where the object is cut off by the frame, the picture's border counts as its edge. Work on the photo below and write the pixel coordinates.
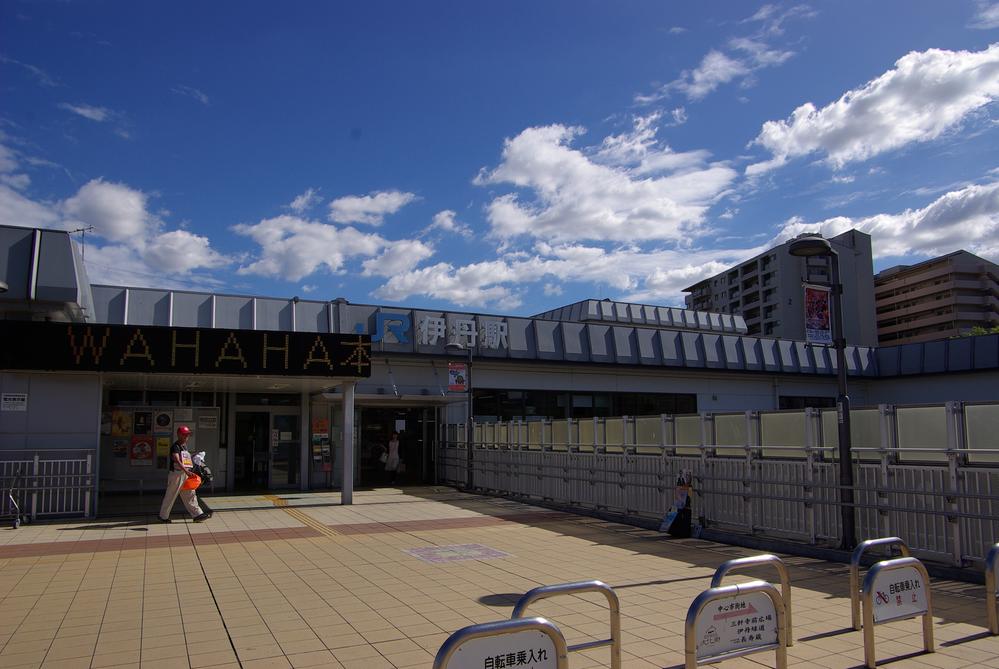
(858, 553)
(756, 560)
(578, 587)
(533, 641)
(750, 620)
(896, 590)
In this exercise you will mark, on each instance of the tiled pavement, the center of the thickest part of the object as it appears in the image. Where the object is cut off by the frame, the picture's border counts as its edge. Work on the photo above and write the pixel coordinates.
(300, 585)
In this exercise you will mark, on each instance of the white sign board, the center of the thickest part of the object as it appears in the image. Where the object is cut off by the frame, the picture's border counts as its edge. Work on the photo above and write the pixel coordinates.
(735, 623)
(527, 649)
(14, 402)
(898, 593)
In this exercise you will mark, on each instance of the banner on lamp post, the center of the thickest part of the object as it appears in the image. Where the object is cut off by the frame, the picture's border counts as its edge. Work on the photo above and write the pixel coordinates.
(457, 377)
(818, 317)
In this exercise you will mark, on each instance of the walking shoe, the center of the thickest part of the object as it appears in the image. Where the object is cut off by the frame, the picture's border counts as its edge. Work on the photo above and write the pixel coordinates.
(164, 520)
(202, 518)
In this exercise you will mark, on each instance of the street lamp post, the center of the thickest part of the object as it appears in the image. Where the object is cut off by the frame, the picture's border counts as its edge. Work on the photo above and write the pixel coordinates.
(469, 429)
(808, 246)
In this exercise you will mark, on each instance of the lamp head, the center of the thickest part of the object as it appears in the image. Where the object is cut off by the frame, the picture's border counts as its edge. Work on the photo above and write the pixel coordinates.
(807, 246)
(3, 287)
(455, 345)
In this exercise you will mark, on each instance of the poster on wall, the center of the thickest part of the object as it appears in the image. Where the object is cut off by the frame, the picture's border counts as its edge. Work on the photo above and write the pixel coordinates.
(163, 422)
(121, 423)
(162, 452)
(208, 422)
(142, 423)
(141, 452)
(106, 423)
(456, 375)
(183, 415)
(818, 322)
(119, 447)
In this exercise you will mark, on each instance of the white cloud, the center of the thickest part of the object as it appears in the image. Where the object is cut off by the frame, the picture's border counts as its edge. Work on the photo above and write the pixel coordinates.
(307, 200)
(963, 219)
(677, 30)
(397, 257)
(91, 112)
(715, 69)
(472, 285)
(38, 73)
(551, 289)
(293, 248)
(628, 188)
(181, 251)
(192, 92)
(446, 220)
(679, 116)
(986, 15)
(19, 210)
(369, 209)
(117, 212)
(926, 94)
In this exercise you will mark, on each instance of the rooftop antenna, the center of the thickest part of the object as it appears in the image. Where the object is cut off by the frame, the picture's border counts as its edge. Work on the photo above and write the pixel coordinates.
(83, 239)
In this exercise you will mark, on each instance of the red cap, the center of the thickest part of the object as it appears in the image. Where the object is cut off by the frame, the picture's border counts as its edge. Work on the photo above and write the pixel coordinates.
(183, 429)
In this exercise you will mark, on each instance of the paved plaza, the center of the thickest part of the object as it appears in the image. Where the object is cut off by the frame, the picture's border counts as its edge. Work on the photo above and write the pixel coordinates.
(297, 581)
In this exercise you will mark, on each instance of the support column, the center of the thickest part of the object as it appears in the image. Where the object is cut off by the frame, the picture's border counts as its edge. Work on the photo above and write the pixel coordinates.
(305, 430)
(347, 489)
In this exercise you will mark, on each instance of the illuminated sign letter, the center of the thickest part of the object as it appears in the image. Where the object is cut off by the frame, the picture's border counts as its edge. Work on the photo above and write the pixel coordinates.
(310, 358)
(196, 346)
(276, 348)
(225, 347)
(136, 339)
(88, 345)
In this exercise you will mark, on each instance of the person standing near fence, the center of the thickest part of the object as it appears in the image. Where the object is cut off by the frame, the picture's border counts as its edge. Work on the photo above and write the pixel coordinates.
(180, 469)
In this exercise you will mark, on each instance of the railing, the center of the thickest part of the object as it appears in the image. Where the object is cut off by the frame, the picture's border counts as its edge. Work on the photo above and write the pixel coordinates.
(928, 474)
(50, 482)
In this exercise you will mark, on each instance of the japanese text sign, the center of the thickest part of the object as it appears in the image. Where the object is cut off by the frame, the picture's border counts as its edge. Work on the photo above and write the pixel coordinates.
(736, 623)
(898, 593)
(526, 649)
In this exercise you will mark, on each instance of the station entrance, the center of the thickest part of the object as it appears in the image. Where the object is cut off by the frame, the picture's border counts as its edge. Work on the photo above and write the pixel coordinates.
(417, 428)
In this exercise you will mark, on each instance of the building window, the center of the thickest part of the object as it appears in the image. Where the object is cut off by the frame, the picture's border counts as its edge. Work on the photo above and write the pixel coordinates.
(798, 402)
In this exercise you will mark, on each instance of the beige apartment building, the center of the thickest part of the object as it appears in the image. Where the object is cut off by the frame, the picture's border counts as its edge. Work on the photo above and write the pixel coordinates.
(939, 298)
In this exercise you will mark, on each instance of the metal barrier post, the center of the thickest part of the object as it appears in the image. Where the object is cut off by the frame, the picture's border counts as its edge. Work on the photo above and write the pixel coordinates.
(476, 654)
(707, 644)
(754, 561)
(991, 588)
(858, 553)
(34, 489)
(911, 590)
(579, 587)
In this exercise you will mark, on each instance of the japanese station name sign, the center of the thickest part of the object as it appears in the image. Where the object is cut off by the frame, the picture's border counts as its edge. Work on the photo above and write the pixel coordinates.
(898, 593)
(736, 623)
(152, 349)
(397, 328)
(526, 649)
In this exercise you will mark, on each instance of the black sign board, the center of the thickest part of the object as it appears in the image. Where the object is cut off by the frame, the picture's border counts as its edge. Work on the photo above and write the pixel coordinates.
(150, 349)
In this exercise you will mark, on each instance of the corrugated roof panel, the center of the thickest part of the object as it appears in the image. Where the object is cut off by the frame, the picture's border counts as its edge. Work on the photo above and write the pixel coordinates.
(547, 337)
(645, 338)
(693, 349)
(520, 337)
(672, 347)
(785, 350)
(714, 355)
(751, 352)
(192, 310)
(986, 351)
(601, 342)
(804, 354)
(959, 354)
(625, 345)
(771, 359)
(574, 342)
(148, 307)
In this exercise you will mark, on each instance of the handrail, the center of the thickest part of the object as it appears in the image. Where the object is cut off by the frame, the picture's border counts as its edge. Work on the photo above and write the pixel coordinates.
(575, 588)
(991, 591)
(858, 553)
(465, 634)
(755, 561)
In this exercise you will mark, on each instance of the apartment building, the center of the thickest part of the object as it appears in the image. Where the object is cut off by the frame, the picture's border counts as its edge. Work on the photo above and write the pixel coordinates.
(767, 290)
(939, 298)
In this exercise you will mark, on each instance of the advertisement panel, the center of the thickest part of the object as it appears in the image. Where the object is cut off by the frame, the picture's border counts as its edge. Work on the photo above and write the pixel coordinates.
(457, 375)
(818, 317)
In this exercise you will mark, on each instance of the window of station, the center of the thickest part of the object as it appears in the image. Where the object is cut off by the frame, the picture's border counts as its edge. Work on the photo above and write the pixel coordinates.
(806, 401)
(269, 399)
(507, 405)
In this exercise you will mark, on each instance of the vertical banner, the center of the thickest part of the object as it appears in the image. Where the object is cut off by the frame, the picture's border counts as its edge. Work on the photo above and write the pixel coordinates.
(456, 377)
(818, 319)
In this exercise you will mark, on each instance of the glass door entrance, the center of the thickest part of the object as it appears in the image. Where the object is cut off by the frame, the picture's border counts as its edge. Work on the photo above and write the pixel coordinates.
(268, 450)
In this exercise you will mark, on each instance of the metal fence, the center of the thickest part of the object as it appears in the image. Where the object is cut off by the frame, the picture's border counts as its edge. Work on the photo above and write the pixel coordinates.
(927, 473)
(48, 482)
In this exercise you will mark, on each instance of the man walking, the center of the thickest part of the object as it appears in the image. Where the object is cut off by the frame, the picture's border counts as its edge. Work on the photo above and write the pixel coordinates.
(180, 469)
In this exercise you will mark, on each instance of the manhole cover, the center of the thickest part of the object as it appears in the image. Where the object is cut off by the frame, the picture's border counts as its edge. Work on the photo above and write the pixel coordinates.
(441, 554)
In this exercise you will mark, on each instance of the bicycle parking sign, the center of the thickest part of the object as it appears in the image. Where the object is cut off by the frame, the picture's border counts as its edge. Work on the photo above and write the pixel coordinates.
(736, 623)
(898, 594)
(527, 649)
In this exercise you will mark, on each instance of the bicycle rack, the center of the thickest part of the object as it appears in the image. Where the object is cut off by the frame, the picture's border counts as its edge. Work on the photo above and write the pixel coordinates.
(754, 561)
(858, 553)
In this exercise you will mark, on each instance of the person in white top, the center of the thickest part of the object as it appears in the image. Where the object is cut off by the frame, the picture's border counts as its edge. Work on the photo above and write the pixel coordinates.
(392, 461)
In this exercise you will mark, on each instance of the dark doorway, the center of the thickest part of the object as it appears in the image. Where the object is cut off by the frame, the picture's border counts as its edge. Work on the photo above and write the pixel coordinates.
(252, 457)
(415, 426)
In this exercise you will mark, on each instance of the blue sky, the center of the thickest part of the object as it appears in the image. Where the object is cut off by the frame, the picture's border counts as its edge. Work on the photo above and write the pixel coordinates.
(500, 157)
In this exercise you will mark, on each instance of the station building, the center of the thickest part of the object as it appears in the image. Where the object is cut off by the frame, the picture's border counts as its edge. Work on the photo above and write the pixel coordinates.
(288, 394)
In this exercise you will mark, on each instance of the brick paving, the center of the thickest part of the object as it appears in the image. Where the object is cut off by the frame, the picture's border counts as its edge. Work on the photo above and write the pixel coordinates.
(346, 587)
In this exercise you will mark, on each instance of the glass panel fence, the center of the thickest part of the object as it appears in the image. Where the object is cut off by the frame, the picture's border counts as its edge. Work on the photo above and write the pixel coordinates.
(982, 426)
(922, 428)
(782, 434)
(614, 434)
(648, 434)
(865, 433)
(560, 434)
(730, 430)
(688, 432)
